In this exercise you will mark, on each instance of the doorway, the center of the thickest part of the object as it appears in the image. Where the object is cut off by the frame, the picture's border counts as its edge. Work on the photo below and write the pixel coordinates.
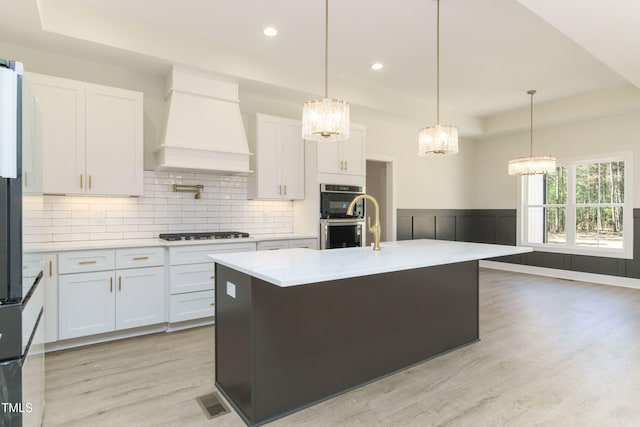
(381, 185)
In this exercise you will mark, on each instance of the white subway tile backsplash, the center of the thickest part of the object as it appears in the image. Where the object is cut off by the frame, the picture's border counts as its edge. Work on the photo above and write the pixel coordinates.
(70, 237)
(106, 236)
(223, 206)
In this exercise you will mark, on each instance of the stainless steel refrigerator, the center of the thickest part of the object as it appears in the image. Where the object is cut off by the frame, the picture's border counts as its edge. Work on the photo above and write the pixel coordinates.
(21, 293)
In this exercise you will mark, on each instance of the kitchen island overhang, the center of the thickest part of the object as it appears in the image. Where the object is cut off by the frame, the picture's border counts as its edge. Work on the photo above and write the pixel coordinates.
(295, 327)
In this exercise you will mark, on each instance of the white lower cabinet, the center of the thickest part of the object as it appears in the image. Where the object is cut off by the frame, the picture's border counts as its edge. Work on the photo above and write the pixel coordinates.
(87, 304)
(192, 305)
(98, 291)
(192, 280)
(50, 282)
(140, 297)
(95, 302)
(270, 245)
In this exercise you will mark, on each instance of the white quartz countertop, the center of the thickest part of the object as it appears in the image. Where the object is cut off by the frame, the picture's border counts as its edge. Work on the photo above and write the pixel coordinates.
(139, 243)
(291, 267)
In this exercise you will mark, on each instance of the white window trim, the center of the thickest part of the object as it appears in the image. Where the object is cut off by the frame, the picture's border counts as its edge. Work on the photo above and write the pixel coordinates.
(627, 214)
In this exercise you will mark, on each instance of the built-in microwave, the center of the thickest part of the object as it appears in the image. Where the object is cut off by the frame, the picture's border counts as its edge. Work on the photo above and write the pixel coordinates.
(335, 199)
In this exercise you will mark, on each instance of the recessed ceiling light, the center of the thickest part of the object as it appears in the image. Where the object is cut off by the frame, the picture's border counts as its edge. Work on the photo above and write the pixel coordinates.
(270, 32)
(377, 66)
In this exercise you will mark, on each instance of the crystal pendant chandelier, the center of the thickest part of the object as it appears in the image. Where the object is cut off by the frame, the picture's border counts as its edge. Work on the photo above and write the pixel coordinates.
(438, 140)
(325, 119)
(532, 165)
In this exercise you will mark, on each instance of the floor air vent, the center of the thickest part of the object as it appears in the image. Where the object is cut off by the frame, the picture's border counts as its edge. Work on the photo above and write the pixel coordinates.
(212, 405)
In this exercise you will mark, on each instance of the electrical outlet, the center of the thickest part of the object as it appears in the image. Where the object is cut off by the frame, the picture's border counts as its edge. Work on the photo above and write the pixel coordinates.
(231, 289)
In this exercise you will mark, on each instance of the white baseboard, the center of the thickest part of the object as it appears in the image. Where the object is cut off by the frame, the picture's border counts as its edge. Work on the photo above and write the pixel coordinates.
(126, 333)
(602, 279)
(100, 338)
(179, 326)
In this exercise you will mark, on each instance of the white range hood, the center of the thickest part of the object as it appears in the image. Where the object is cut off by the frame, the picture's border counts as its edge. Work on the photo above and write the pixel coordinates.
(204, 128)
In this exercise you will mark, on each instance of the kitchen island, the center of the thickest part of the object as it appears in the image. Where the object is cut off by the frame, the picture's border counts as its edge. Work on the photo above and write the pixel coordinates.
(297, 326)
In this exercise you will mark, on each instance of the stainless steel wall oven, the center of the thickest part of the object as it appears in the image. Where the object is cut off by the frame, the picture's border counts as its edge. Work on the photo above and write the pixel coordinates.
(341, 234)
(337, 229)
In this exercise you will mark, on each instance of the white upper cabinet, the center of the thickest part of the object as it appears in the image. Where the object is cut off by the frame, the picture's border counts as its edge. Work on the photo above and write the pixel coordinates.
(92, 137)
(292, 157)
(61, 104)
(344, 157)
(31, 144)
(279, 159)
(114, 141)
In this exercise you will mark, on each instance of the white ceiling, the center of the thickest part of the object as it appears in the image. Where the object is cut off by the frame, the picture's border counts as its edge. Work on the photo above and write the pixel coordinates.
(492, 51)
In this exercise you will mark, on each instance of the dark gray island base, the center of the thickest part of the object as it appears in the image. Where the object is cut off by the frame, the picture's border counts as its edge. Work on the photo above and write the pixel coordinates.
(281, 349)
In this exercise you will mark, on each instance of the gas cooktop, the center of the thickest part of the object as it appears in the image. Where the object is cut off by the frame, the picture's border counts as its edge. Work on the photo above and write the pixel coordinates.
(204, 235)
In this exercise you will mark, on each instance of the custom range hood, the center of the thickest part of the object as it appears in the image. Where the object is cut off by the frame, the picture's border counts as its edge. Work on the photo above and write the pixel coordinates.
(204, 128)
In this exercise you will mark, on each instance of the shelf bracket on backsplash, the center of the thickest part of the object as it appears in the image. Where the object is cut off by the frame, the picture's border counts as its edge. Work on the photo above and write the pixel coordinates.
(189, 189)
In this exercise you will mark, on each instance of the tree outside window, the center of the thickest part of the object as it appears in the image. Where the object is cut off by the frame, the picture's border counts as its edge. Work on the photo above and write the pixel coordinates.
(599, 204)
(579, 207)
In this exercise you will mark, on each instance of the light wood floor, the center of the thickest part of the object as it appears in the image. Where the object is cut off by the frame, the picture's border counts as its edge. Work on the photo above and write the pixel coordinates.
(552, 353)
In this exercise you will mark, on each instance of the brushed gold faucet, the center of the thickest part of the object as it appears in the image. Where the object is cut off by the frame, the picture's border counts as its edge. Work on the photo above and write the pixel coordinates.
(375, 229)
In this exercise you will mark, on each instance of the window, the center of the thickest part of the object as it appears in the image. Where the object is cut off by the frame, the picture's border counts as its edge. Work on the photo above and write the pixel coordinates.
(583, 207)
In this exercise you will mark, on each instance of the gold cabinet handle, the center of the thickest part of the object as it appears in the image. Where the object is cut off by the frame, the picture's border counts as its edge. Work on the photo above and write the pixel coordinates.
(346, 167)
(272, 249)
(80, 180)
(50, 268)
(110, 284)
(120, 283)
(140, 258)
(341, 165)
(89, 182)
(303, 247)
(285, 189)
(93, 261)
(212, 277)
(212, 304)
(26, 179)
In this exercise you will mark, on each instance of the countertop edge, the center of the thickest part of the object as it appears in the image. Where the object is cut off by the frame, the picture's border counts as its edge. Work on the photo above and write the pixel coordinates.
(154, 242)
(499, 250)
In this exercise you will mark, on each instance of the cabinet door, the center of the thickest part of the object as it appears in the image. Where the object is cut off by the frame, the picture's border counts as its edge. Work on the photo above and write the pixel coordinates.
(329, 157)
(113, 141)
(31, 143)
(291, 153)
(50, 282)
(87, 304)
(268, 159)
(140, 297)
(62, 106)
(352, 152)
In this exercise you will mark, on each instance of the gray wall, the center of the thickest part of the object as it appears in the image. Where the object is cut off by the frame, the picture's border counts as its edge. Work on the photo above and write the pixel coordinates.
(499, 226)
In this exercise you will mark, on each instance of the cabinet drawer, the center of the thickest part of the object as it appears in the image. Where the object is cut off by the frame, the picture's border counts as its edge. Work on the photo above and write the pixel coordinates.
(139, 257)
(272, 245)
(86, 261)
(303, 243)
(194, 305)
(191, 277)
(194, 254)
